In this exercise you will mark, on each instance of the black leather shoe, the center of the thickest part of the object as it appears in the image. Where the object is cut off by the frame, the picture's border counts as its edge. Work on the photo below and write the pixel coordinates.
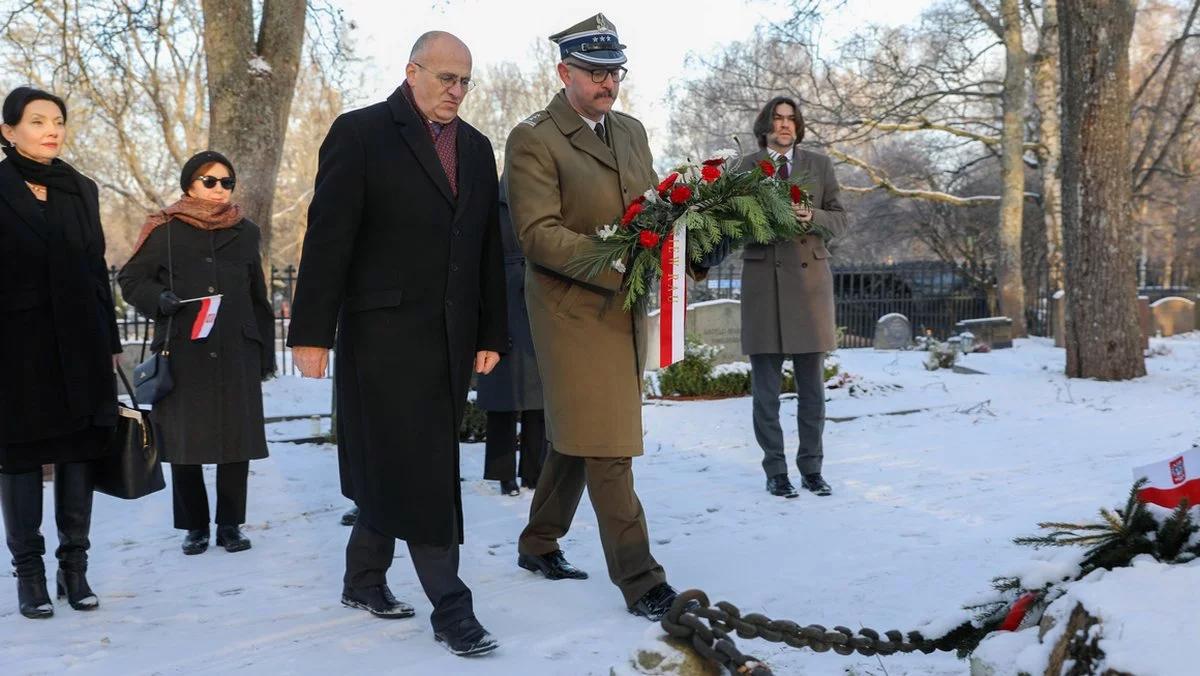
(466, 638)
(509, 487)
(74, 585)
(196, 541)
(815, 484)
(350, 516)
(231, 538)
(553, 565)
(656, 602)
(378, 601)
(780, 486)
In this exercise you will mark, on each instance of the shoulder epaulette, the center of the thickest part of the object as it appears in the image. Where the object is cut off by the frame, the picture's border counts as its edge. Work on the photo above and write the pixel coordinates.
(536, 119)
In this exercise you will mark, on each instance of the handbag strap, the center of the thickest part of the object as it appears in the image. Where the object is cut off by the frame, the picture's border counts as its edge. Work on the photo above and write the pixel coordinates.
(128, 389)
(166, 351)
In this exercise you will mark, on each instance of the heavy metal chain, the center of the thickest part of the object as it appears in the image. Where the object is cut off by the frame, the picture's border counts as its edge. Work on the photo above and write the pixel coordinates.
(708, 629)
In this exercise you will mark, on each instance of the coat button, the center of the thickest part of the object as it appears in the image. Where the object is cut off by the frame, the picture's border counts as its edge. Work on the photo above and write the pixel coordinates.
(211, 290)
(207, 259)
(804, 265)
(449, 303)
(454, 267)
(779, 264)
(457, 232)
(213, 355)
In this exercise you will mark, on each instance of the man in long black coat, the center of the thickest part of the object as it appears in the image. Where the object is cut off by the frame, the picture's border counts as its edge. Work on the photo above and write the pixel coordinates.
(402, 263)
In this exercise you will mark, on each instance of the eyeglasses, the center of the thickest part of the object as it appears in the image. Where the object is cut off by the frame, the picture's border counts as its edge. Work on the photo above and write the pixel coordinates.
(449, 80)
(210, 182)
(599, 75)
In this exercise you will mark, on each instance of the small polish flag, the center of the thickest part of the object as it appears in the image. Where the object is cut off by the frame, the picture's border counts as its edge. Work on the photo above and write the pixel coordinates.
(206, 317)
(1170, 481)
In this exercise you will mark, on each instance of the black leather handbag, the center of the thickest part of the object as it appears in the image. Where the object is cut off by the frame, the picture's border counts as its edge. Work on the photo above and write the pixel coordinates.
(152, 378)
(133, 468)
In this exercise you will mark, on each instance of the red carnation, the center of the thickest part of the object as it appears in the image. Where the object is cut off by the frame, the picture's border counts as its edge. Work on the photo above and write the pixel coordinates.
(680, 194)
(714, 162)
(631, 213)
(798, 195)
(648, 239)
(710, 173)
(667, 183)
(767, 167)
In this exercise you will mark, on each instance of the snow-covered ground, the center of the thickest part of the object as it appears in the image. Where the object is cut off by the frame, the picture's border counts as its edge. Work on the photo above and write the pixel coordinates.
(922, 516)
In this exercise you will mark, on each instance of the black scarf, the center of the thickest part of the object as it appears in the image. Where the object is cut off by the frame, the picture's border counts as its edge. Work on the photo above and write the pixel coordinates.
(75, 271)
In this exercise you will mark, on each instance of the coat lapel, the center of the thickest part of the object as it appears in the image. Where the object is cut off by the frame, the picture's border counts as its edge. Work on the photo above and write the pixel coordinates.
(583, 138)
(415, 134)
(22, 201)
(222, 238)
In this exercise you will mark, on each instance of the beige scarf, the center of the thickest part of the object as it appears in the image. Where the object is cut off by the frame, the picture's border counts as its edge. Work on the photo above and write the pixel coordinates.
(198, 213)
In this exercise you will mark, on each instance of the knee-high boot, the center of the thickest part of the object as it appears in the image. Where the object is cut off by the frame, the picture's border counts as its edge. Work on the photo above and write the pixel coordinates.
(73, 489)
(21, 502)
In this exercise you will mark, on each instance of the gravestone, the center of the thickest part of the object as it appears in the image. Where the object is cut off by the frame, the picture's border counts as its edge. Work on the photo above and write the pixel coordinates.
(893, 332)
(996, 332)
(714, 322)
(1173, 315)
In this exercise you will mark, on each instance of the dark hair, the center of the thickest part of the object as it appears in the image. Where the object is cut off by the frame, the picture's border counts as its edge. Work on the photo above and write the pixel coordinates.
(19, 98)
(763, 123)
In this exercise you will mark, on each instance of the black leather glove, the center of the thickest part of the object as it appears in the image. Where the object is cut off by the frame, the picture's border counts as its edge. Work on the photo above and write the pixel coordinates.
(168, 303)
(718, 254)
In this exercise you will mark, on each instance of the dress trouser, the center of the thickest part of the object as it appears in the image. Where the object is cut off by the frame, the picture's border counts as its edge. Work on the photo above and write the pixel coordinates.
(190, 498)
(369, 554)
(500, 459)
(766, 379)
(623, 533)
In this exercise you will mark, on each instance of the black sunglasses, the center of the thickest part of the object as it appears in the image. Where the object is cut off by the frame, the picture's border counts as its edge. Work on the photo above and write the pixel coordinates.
(211, 182)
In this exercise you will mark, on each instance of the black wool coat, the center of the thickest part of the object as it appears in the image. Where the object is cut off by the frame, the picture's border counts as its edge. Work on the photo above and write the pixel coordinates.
(214, 414)
(514, 385)
(58, 329)
(408, 280)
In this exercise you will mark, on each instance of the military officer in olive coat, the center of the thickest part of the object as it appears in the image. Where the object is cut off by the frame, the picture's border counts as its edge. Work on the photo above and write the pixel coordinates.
(571, 169)
(787, 302)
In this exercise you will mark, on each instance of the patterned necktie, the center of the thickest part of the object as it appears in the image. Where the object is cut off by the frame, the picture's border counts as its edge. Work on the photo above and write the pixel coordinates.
(600, 132)
(784, 171)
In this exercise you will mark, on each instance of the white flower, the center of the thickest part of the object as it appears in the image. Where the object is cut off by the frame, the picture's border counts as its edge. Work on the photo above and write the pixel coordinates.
(619, 266)
(651, 195)
(607, 231)
(691, 174)
(725, 154)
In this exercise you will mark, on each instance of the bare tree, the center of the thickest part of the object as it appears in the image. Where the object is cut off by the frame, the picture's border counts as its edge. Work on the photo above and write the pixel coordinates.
(251, 80)
(1103, 335)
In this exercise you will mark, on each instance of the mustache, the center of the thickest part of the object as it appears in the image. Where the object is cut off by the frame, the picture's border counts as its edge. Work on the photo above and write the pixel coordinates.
(603, 94)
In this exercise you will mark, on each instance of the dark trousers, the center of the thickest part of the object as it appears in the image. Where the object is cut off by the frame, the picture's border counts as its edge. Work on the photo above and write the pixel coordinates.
(619, 515)
(369, 554)
(191, 499)
(766, 378)
(500, 459)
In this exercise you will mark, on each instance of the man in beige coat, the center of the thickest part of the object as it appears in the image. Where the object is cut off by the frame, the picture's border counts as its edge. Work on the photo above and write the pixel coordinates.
(787, 303)
(571, 169)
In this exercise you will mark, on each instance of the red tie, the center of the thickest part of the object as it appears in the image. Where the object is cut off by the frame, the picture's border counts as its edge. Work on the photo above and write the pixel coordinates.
(784, 173)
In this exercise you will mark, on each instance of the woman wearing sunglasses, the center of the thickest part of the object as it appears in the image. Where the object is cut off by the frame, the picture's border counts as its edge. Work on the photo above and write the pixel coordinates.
(58, 404)
(202, 248)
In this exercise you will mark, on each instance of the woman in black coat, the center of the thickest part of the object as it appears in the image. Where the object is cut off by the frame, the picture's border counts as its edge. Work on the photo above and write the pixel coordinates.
(58, 403)
(201, 247)
(512, 392)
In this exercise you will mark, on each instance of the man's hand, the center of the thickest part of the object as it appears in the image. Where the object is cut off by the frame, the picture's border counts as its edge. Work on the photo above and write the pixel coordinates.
(312, 361)
(485, 361)
(802, 214)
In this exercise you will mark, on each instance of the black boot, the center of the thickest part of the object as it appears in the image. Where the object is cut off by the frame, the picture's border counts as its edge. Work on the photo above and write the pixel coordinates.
(73, 489)
(350, 516)
(231, 538)
(196, 541)
(509, 487)
(21, 500)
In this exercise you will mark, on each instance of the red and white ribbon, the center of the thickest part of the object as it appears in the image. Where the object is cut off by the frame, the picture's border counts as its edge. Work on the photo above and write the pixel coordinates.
(672, 297)
(206, 317)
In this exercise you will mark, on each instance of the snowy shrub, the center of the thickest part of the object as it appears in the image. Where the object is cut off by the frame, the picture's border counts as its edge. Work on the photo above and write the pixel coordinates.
(474, 424)
(941, 356)
(690, 376)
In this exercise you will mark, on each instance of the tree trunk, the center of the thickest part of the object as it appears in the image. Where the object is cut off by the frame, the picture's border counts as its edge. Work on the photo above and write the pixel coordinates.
(1046, 99)
(1012, 148)
(250, 86)
(1103, 337)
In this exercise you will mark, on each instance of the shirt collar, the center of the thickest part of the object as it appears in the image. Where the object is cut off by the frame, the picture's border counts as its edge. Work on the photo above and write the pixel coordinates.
(791, 156)
(591, 123)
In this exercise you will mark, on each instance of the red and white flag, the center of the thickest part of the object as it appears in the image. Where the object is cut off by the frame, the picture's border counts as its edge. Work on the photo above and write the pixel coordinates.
(1169, 481)
(206, 317)
(672, 297)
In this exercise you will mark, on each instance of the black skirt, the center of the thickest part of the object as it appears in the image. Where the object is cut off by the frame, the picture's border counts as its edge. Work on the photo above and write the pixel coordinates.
(87, 444)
